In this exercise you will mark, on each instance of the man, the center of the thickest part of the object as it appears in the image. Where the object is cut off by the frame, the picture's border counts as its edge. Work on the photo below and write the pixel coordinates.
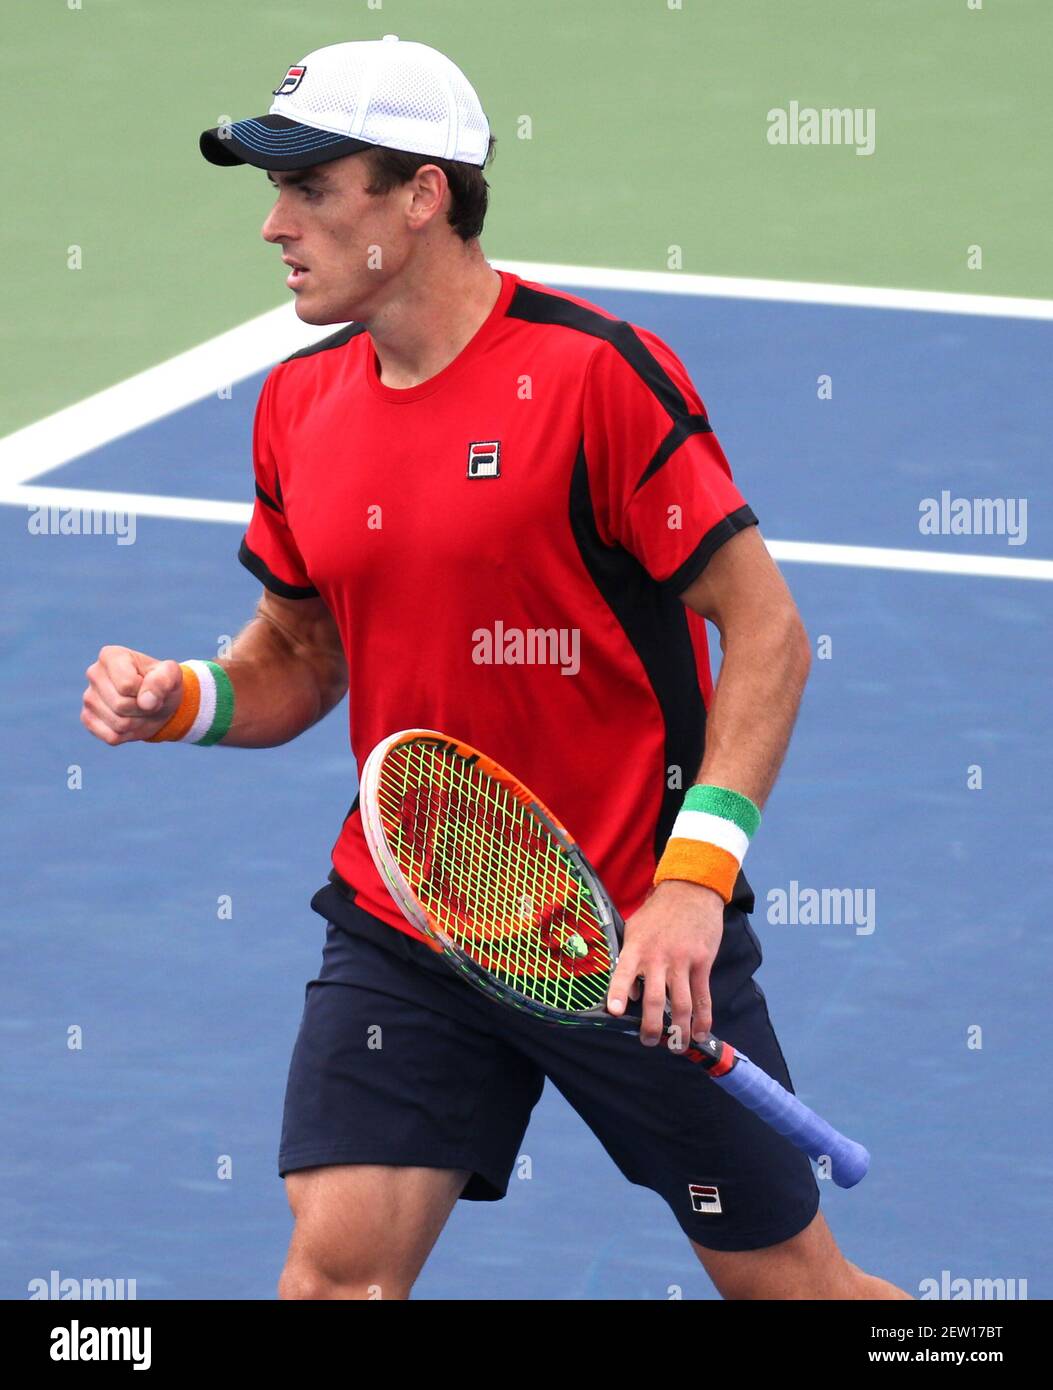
(491, 508)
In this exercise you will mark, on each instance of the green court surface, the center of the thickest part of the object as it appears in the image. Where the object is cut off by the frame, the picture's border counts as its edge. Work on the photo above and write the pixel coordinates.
(648, 126)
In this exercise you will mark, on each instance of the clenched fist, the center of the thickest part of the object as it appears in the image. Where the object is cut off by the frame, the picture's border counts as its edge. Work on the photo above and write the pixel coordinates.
(130, 695)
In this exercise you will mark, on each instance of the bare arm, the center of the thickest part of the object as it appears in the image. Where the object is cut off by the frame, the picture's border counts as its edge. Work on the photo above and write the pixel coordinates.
(673, 939)
(766, 663)
(287, 668)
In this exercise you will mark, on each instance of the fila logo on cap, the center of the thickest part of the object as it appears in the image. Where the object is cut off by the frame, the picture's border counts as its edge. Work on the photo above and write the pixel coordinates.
(290, 81)
(484, 460)
(704, 1199)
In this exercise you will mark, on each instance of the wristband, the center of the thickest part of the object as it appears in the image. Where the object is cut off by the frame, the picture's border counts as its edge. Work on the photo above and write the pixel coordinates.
(206, 709)
(710, 837)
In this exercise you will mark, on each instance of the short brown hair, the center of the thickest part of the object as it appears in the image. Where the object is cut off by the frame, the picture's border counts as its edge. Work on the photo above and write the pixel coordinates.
(469, 191)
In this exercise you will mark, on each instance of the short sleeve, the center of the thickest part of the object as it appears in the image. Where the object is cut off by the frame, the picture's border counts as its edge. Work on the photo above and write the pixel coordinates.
(268, 549)
(660, 484)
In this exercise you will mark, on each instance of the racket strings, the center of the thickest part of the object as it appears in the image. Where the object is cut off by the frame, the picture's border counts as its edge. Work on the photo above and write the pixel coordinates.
(492, 877)
(532, 871)
(473, 867)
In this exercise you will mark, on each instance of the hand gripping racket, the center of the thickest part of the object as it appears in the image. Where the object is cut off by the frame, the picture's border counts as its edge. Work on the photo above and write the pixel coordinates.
(485, 870)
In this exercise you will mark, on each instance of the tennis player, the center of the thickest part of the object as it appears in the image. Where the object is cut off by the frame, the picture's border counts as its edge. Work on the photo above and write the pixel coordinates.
(491, 508)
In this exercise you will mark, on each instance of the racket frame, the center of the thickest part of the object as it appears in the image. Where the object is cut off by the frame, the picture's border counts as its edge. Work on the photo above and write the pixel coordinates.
(730, 1069)
(404, 897)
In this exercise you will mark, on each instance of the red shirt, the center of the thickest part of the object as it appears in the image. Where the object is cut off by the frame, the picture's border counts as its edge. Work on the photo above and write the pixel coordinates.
(502, 548)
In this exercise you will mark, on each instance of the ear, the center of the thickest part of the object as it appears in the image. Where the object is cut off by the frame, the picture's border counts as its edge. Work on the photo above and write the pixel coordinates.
(429, 186)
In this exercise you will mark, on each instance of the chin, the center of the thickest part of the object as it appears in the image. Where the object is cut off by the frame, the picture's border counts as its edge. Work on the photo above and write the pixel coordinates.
(317, 314)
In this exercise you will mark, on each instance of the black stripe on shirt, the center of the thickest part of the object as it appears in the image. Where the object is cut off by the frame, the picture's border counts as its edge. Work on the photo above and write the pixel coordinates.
(535, 306)
(267, 500)
(685, 575)
(655, 624)
(683, 429)
(256, 566)
(335, 340)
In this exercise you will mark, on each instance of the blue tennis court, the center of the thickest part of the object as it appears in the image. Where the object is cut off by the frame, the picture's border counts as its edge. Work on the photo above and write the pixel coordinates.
(157, 898)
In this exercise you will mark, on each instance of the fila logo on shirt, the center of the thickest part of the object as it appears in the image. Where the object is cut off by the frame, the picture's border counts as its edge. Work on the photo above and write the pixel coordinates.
(705, 1200)
(484, 460)
(290, 82)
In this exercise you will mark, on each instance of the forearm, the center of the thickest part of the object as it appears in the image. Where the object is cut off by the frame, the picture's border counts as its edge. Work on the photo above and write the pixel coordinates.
(755, 704)
(282, 683)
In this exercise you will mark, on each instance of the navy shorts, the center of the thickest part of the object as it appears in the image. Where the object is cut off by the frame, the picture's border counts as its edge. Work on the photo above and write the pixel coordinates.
(400, 1061)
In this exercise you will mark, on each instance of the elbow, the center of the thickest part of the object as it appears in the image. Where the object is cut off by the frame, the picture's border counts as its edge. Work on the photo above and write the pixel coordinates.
(788, 643)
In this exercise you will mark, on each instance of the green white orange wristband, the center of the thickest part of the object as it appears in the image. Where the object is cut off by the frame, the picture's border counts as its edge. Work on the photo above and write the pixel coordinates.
(206, 709)
(710, 837)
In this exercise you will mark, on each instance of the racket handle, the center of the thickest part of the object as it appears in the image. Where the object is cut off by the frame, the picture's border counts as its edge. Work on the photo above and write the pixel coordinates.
(787, 1115)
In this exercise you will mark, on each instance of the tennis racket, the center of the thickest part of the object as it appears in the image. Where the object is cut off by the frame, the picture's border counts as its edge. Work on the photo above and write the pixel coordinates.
(483, 868)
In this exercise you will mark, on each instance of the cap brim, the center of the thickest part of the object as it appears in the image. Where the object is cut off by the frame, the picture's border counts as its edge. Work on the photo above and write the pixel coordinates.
(275, 142)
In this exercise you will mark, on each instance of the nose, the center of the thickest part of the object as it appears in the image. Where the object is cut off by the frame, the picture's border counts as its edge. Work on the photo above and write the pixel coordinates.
(276, 225)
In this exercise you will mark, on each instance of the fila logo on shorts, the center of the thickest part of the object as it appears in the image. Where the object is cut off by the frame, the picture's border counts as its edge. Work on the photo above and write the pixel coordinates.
(704, 1199)
(484, 460)
(290, 82)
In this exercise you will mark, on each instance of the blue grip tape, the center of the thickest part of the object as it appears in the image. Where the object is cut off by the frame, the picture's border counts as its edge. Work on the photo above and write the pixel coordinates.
(787, 1115)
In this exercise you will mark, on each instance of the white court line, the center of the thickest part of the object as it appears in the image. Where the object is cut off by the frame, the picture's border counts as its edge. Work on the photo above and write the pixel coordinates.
(141, 503)
(258, 344)
(784, 291)
(790, 552)
(922, 561)
(148, 396)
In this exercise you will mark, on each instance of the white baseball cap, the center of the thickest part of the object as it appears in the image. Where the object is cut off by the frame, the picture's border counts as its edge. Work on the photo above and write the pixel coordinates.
(355, 96)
